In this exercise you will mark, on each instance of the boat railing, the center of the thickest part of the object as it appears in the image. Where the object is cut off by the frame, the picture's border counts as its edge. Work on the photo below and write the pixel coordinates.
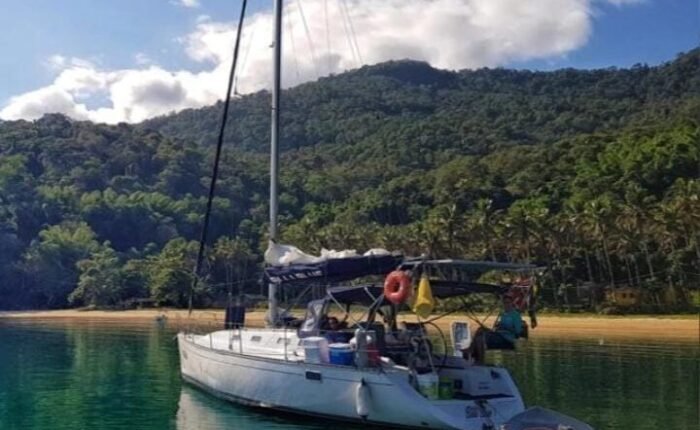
(369, 355)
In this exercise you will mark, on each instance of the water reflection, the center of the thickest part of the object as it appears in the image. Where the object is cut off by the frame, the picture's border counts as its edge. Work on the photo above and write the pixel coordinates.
(632, 384)
(200, 411)
(87, 375)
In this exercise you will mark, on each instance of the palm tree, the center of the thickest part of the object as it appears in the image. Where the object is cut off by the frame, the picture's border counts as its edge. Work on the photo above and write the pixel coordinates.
(442, 230)
(686, 204)
(517, 231)
(484, 222)
(561, 239)
(575, 221)
(671, 230)
(527, 223)
(629, 226)
(597, 219)
(634, 223)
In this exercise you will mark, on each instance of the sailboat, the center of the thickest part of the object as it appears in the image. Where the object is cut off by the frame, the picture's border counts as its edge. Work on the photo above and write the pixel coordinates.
(369, 369)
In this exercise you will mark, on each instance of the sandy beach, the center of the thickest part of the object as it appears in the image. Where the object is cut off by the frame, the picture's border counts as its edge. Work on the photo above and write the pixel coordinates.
(684, 328)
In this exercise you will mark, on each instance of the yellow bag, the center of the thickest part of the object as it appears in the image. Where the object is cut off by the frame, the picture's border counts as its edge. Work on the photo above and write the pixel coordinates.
(424, 302)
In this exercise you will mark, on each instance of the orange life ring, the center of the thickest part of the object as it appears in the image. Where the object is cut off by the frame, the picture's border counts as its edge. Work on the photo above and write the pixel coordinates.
(397, 287)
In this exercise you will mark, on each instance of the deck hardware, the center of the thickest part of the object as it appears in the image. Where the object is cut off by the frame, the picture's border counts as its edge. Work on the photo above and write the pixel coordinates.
(313, 376)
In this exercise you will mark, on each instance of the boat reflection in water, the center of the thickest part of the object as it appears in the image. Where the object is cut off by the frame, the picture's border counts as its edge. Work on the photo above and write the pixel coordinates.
(198, 411)
(194, 413)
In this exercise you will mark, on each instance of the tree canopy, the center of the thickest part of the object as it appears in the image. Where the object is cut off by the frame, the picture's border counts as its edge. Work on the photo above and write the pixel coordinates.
(592, 173)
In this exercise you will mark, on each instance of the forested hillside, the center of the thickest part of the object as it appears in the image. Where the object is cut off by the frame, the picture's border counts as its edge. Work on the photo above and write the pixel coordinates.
(591, 173)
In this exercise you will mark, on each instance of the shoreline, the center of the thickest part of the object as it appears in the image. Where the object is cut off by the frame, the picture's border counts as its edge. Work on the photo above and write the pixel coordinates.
(680, 328)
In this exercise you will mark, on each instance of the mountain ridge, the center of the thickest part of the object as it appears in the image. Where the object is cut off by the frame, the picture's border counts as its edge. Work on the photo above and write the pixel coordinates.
(401, 89)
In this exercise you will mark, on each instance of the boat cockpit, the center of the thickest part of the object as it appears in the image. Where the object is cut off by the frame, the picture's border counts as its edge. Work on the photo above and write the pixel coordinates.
(374, 322)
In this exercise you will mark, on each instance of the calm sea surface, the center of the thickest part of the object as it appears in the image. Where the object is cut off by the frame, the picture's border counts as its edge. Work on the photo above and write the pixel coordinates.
(97, 375)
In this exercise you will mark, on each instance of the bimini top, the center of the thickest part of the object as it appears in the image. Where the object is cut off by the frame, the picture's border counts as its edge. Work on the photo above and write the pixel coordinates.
(366, 295)
(369, 294)
(449, 278)
(334, 269)
(472, 269)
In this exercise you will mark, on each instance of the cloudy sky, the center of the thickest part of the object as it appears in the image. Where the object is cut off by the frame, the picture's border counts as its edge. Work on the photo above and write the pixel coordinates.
(129, 60)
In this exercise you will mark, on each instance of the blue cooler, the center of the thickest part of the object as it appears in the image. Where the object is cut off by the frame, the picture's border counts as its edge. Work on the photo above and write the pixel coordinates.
(341, 354)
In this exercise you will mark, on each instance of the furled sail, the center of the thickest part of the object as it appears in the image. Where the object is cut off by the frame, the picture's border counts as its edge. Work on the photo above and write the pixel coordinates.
(288, 264)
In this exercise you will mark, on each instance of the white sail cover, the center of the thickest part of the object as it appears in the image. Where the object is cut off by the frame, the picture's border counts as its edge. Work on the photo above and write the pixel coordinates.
(285, 255)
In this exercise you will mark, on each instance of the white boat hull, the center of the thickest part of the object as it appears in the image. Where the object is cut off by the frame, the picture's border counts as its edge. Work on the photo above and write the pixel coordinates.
(271, 377)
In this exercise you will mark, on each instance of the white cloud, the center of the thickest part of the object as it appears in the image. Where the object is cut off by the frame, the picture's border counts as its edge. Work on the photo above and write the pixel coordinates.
(187, 3)
(142, 59)
(56, 62)
(451, 34)
(624, 2)
(59, 62)
(35, 104)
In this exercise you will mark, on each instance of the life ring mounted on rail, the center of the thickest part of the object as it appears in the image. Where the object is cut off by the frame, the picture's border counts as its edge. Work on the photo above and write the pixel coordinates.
(397, 287)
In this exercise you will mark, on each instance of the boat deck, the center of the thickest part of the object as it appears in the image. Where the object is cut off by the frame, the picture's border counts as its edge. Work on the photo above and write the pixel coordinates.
(271, 344)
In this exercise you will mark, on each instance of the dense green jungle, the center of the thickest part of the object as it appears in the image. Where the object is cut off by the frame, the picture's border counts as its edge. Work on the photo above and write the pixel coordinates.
(593, 174)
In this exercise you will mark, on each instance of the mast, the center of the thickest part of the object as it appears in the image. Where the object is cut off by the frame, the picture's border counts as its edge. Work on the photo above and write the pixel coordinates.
(274, 145)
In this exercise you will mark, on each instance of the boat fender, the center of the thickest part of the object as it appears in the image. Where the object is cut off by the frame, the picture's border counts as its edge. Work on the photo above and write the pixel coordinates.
(363, 399)
(397, 287)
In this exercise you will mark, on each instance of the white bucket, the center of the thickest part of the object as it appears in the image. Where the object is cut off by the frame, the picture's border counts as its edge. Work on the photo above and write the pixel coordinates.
(428, 385)
(315, 349)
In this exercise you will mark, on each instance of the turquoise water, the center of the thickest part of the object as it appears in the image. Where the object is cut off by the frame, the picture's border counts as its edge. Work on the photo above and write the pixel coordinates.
(93, 375)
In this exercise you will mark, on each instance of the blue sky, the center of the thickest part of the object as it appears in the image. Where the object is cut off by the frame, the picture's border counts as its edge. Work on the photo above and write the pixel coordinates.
(117, 48)
(650, 32)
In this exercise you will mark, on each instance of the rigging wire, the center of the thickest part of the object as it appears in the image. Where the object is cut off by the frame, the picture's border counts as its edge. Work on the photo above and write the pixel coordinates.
(312, 49)
(352, 32)
(290, 30)
(328, 38)
(217, 159)
(244, 61)
(348, 17)
(347, 32)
